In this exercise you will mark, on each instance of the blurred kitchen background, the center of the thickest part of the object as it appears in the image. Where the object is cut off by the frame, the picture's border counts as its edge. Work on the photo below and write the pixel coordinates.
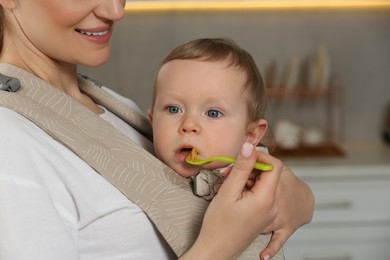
(328, 76)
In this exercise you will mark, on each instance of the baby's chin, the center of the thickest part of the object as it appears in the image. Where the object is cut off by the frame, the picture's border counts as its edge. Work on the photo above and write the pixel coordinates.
(187, 172)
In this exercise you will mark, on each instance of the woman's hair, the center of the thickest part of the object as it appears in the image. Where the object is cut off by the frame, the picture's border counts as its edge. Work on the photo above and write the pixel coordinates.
(2, 21)
(225, 49)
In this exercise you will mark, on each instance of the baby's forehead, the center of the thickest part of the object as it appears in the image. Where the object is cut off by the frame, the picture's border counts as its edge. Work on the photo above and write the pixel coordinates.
(201, 65)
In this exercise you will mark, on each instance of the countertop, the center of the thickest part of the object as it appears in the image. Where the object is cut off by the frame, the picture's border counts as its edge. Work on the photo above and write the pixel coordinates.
(360, 160)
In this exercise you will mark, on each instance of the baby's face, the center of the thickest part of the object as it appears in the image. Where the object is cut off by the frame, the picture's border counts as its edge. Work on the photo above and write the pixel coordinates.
(198, 104)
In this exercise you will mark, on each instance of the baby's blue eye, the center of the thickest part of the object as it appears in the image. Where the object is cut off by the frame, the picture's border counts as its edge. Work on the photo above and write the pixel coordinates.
(214, 113)
(173, 109)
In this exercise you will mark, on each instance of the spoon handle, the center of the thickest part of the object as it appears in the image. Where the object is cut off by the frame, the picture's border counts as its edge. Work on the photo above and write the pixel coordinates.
(258, 165)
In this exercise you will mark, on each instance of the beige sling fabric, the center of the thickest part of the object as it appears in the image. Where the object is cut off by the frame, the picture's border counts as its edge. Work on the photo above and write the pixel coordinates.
(162, 194)
(136, 120)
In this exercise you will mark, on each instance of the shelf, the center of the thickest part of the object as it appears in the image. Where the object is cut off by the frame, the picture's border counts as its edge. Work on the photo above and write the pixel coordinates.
(331, 100)
(303, 151)
(278, 93)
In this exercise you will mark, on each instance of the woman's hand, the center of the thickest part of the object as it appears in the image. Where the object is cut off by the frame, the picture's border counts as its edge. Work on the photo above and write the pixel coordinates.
(295, 203)
(237, 215)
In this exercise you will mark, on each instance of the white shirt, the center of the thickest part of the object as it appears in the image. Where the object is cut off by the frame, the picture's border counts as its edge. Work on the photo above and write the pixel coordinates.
(54, 206)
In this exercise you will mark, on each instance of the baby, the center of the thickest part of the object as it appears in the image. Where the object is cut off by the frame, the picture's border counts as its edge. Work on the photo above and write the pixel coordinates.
(209, 95)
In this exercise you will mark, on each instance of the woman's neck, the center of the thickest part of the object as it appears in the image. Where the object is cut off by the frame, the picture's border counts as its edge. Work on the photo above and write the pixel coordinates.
(61, 76)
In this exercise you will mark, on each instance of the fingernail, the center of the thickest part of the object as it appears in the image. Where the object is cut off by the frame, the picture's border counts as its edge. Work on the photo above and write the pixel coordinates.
(224, 170)
(247, 149)
(266, 257)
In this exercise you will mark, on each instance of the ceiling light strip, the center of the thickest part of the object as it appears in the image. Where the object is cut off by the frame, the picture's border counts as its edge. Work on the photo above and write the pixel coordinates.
(163, 6)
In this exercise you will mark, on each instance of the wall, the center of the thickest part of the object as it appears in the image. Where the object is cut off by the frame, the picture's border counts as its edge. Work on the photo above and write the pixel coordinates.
(358, 44)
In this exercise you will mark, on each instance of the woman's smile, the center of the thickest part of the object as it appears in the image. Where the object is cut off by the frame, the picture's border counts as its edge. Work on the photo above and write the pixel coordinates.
(99, 37)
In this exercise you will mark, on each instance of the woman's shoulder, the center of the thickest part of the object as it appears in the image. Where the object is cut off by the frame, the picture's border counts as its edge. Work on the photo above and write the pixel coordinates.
(15, 129)
(27, 146)
(28, 155)
(14, 124)
(21, 140)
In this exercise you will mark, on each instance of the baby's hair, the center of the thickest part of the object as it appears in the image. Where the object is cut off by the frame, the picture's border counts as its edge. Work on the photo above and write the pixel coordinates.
(222, 49)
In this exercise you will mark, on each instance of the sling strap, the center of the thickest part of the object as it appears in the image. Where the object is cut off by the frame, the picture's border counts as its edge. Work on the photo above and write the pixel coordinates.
(165, 196)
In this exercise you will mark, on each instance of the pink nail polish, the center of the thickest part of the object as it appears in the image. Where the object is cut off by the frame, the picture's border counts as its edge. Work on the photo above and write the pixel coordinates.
(247, 149)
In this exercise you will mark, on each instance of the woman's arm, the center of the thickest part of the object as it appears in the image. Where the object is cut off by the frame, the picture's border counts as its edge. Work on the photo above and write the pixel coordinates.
(295, 202)
(237, 215)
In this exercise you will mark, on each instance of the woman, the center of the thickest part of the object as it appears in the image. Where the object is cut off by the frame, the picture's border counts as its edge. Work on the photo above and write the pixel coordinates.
(54, 205)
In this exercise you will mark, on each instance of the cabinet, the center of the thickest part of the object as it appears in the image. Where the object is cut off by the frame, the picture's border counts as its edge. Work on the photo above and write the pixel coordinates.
(352, 214)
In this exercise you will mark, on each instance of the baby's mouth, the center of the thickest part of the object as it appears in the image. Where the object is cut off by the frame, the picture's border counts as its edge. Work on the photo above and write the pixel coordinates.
(185, 151)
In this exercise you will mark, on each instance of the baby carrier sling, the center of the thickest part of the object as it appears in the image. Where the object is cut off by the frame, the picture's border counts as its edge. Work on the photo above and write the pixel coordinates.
(165, 196)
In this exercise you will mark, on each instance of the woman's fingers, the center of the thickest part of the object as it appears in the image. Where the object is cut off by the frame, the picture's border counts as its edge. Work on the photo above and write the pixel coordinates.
(277, 241)
(242, 177)
(239, 174)
(269, 179)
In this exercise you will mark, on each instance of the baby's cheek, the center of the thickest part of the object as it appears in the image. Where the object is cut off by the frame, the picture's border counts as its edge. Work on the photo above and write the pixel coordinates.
(161, 155)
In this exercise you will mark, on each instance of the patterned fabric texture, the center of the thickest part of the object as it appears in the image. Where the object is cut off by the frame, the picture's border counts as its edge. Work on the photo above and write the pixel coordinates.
(165, 196)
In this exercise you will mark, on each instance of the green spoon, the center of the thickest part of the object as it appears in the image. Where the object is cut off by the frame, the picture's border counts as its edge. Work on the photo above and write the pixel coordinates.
(199, 162)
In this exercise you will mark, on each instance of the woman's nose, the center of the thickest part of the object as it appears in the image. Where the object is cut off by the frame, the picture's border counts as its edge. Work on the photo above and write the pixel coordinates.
(189, 125)
(111, 9)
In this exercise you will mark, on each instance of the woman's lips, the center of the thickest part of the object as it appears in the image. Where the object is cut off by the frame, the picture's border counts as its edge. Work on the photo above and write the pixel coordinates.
(99, 37)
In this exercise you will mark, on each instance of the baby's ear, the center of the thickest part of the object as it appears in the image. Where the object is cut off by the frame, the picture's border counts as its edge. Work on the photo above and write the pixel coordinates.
(150, 115)
(256, 131)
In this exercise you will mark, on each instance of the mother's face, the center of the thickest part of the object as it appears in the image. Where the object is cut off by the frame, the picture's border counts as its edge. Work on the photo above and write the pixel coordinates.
(69, 31)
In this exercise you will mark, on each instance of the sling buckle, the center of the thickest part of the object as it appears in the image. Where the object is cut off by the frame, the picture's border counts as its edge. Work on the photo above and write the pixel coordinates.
(9, 84)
